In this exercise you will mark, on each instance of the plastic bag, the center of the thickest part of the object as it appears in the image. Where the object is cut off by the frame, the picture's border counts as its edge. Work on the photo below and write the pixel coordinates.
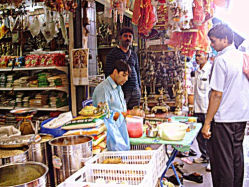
(117, 134)
(9, 131)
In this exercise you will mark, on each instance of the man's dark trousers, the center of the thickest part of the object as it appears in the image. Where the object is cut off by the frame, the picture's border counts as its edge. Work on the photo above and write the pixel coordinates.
(202, 142)
(226, 154)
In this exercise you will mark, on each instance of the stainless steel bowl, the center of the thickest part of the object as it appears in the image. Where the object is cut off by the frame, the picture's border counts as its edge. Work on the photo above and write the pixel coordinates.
(151, 133)
(28, 174)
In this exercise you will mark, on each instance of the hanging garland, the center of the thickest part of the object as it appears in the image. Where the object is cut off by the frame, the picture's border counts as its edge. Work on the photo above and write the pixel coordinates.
(55, 5)
(17, 3)
(61, 5)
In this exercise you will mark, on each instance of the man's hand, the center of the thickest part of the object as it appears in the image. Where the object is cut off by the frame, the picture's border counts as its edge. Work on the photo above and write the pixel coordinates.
(206, 131)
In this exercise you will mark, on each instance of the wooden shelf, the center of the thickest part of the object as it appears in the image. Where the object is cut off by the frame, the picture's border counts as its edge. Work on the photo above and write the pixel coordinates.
(6, 89)
(61, 109)
(64, 89)
(6, 107)
(61, 68)
(5, 69)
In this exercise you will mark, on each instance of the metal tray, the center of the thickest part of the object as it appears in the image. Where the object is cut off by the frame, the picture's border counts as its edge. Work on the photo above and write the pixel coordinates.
(18, 141)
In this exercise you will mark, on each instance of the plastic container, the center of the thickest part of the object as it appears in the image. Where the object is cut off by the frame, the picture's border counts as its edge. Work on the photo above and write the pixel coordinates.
(161, 156)
(134, 126)
(172, 131)
(138, 168)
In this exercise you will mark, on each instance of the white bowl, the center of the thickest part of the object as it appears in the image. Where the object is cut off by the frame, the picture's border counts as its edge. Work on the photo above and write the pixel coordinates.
(172, 131)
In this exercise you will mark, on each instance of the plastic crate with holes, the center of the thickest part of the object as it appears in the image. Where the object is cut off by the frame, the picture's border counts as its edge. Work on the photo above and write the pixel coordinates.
(113, 169)
(161, 157)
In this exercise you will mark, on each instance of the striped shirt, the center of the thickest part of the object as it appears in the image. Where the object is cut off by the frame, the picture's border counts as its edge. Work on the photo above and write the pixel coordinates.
(134, 78)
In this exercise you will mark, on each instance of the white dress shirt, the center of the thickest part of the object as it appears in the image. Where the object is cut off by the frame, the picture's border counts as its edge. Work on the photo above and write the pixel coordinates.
(202, 88)
(228, 78)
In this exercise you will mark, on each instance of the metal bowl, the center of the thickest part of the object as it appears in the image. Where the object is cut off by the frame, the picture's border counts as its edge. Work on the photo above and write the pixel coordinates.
(23, 174)
(151, 133)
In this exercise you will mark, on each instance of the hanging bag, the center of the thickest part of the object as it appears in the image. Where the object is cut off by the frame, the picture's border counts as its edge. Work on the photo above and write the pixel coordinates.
(117, 134)
(246, 65)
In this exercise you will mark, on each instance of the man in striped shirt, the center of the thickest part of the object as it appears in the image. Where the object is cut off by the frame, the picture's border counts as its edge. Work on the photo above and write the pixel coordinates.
(132, 87)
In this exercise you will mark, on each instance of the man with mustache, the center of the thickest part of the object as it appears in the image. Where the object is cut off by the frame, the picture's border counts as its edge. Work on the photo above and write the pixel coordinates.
(132, 87)
(201, 92)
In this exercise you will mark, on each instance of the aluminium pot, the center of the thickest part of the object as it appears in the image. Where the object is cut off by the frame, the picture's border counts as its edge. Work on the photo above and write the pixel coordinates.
(14, 155)
(28, 174)
(69, 154)
(41, 152)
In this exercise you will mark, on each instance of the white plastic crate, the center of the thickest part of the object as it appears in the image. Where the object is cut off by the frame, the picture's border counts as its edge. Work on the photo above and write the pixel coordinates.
(139, 169)
(161, 157)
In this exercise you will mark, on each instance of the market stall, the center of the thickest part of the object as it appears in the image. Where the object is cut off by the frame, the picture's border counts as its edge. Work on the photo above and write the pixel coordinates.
(49, 55)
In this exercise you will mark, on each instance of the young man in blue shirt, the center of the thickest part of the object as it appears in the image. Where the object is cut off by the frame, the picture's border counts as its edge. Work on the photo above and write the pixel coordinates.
(110, 90)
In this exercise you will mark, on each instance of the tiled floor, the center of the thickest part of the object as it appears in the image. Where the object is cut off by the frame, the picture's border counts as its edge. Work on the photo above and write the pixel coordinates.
(201, 168)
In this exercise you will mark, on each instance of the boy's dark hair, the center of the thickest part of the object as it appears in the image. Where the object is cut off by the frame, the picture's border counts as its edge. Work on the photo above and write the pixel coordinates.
(126, 30)
(222, 31)
(121, 65)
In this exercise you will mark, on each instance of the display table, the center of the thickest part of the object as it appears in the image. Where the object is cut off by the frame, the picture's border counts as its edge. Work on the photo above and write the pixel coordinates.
(183, 145)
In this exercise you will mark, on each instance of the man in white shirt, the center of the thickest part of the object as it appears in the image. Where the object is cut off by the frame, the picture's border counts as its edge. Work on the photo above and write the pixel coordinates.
(201, 92)
(229, 106)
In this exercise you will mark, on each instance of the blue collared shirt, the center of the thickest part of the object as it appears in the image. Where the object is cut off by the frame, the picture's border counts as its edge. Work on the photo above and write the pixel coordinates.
(108, 91)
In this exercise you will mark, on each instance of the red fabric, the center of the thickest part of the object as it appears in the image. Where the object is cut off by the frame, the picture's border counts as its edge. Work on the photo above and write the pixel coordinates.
(198, 13)
(189, 42)
(143, 16)
(136, 13)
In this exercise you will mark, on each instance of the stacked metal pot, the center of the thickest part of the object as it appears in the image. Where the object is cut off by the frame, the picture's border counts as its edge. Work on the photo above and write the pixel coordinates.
(55, 159)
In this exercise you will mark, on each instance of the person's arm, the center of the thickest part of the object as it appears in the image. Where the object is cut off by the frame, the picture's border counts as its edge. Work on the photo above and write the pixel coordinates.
(214, 103)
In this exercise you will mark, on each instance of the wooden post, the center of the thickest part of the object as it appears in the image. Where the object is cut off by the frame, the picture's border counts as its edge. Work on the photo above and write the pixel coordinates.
(71, 46)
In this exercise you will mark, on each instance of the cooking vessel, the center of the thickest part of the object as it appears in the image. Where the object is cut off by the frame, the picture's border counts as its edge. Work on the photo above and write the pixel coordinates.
(29, 174)
(13, 155)
(41, 152)
(69, 154)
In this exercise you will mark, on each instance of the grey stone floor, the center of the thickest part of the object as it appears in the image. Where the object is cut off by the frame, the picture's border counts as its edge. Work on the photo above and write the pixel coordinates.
(201, 168)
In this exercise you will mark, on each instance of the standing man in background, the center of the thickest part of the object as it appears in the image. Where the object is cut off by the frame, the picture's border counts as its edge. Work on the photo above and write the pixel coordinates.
(229, 106)
(201, 92)
(131, 88)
